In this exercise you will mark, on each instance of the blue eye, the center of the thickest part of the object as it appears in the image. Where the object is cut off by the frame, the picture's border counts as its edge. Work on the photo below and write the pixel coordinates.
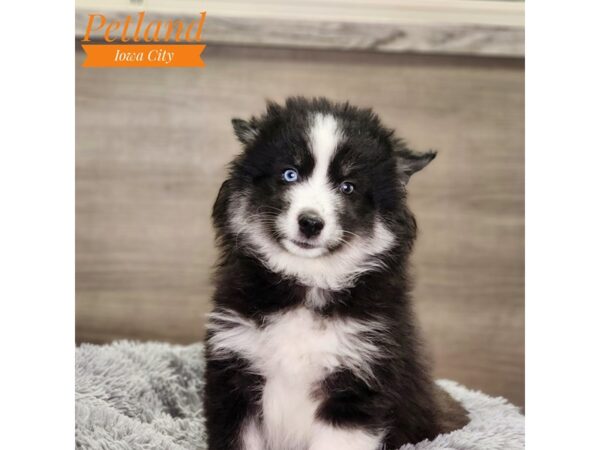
(290, 175)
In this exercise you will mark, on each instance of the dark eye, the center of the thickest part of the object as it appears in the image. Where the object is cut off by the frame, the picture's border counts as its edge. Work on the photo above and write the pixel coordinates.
(347, 188)
(289, 175)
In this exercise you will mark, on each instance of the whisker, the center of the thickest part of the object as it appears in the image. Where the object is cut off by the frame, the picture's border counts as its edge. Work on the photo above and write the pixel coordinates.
(351, 233)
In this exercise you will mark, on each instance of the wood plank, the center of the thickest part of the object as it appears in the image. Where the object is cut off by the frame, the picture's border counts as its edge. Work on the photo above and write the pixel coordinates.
(152, 146)
(432, 26)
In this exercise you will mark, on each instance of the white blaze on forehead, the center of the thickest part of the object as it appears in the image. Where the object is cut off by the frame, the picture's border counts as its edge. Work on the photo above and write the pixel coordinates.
(324, 137)
(316, 192)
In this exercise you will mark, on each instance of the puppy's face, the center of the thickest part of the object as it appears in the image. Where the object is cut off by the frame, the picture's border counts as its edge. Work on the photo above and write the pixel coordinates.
(324, 202)
(315, 180)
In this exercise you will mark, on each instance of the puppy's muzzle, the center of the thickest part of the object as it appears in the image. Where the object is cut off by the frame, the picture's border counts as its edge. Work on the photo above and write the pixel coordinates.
(310, 224)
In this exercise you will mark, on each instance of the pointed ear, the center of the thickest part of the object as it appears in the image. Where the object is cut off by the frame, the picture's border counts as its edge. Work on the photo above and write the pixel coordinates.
(219, 212)
(409, 162)
(244, 130)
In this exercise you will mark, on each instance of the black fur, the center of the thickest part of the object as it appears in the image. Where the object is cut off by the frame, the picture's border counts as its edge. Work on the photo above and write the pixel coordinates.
(403, 400)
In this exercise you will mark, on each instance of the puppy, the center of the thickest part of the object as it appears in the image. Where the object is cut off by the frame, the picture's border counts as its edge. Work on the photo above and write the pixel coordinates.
(312, 344)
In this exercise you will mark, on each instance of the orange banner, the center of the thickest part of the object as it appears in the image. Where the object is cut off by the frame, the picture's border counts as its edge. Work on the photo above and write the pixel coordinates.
(151, 55)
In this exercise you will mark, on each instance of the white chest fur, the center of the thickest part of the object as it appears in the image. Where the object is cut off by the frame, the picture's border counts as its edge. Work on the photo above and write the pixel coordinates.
(294, 351)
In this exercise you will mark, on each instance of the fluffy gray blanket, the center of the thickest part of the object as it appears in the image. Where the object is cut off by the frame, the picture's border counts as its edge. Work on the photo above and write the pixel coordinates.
(148, 396)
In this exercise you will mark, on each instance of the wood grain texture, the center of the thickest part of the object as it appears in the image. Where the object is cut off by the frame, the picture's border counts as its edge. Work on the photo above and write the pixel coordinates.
(439, 26)
(152, 145)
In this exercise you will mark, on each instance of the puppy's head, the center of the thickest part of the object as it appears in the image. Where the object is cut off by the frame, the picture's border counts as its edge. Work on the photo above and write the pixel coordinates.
(316, 181)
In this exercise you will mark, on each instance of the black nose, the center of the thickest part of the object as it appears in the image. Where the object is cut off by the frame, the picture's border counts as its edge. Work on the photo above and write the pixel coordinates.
(310, 224)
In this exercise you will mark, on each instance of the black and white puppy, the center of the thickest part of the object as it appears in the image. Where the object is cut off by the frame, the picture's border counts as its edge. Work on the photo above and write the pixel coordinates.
(312, 343)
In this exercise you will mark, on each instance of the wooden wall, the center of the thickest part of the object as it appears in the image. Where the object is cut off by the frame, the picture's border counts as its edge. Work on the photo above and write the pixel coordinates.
(152, 145)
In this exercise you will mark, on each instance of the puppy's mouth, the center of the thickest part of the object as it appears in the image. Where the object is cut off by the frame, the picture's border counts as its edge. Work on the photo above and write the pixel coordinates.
(303, 248)
(305, 245)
